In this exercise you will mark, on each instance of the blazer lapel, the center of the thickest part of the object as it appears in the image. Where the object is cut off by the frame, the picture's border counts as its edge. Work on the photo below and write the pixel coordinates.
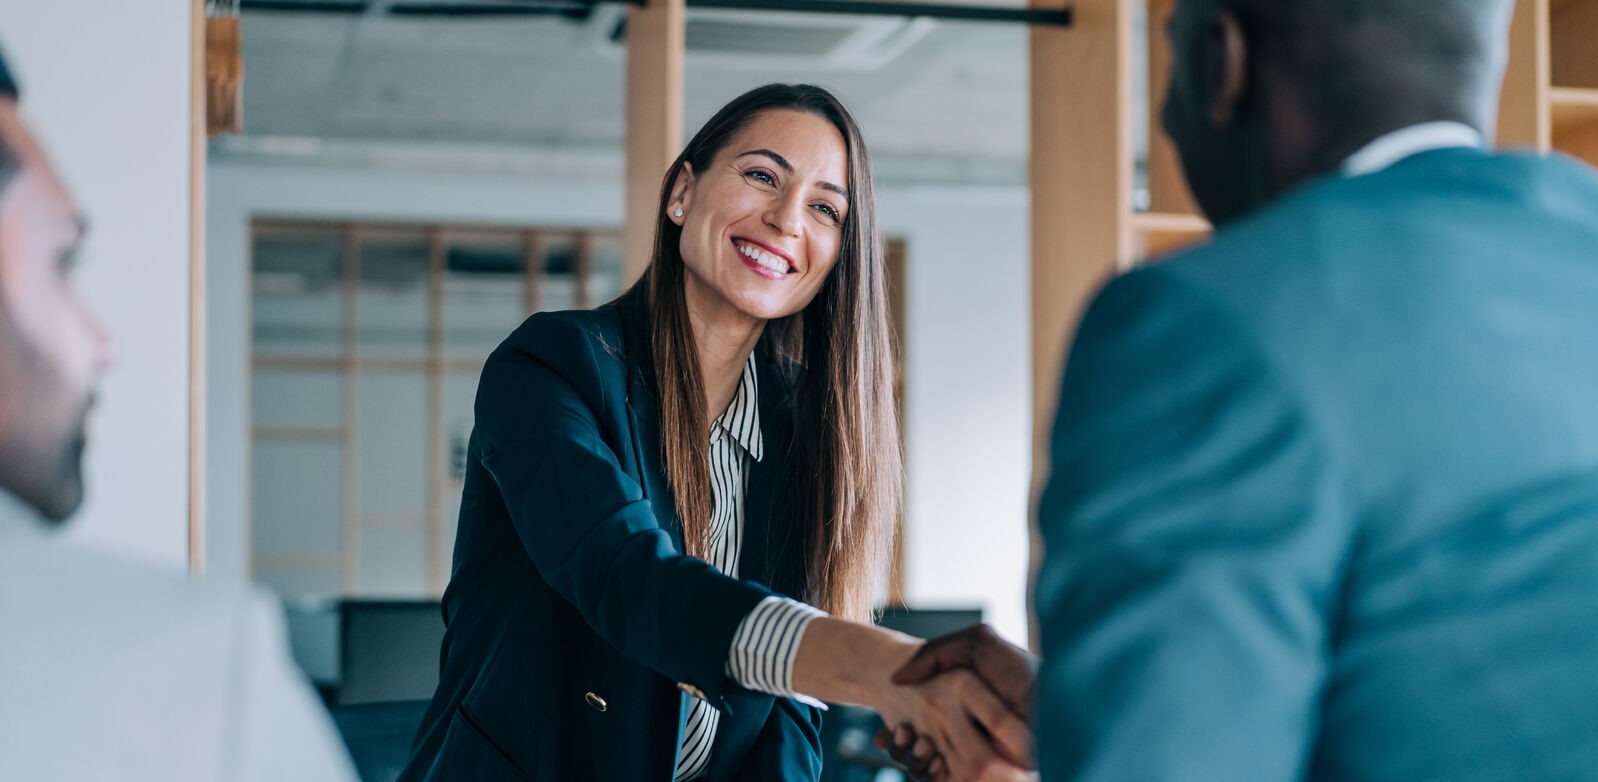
(643, 408)
(646, 451)
(770, 552)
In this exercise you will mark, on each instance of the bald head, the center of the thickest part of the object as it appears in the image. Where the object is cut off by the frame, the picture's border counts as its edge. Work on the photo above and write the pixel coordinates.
(1295, 86)
(1372, 58)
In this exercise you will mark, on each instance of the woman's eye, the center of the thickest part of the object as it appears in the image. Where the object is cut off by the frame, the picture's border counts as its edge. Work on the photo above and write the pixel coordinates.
(762, 176)
(831, 213)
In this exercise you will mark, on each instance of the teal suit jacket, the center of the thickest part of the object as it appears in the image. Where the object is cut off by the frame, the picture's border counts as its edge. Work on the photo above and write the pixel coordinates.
(1324, 494)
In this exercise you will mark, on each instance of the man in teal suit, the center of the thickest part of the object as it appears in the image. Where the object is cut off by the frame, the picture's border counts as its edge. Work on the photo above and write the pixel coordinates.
(1324, 493)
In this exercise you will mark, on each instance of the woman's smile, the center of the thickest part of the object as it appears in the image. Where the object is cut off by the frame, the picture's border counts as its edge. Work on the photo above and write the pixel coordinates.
(764, 260)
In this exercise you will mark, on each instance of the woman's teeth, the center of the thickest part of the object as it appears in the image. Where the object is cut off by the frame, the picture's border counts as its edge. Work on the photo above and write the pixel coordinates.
(765, 259)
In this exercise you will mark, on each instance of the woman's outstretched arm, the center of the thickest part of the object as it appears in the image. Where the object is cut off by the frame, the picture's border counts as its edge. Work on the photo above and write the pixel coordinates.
(976, 733)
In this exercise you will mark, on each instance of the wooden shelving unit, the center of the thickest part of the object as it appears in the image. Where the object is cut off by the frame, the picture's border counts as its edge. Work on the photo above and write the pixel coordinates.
(1574, 109)
(1172, 221)
(1550, 99)
(1550, 103)
(1161, 233)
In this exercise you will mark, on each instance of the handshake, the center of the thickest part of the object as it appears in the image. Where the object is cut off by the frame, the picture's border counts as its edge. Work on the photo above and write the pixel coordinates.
(971, 722)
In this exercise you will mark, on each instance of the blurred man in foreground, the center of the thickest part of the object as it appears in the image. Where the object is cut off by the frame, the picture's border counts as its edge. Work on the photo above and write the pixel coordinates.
(1324, 502)
(109, 670)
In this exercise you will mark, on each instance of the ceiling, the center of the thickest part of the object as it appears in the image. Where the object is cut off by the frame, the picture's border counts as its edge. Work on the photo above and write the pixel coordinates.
(941, 100)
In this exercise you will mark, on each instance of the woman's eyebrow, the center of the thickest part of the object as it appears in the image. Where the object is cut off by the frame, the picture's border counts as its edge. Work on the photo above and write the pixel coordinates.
(783, 163)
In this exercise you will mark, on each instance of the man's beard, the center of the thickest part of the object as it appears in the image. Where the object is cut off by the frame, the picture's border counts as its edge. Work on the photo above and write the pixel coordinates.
(65, 485)
(41, 446)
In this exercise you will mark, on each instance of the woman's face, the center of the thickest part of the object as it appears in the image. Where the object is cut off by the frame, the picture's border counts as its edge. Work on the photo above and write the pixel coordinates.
(761, 227)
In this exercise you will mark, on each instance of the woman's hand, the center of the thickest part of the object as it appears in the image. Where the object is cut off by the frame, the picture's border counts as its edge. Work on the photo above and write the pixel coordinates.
(973, 732)
(976, 734)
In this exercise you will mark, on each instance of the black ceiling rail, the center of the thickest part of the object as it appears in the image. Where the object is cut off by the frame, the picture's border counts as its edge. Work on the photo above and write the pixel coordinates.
(1049, 17)
(1055, 17)
(502, 8)
(305, 6)
(576, 9)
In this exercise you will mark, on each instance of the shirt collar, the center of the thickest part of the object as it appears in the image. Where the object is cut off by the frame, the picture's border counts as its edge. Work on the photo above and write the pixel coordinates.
(742, 419)
(18, 518)
(1413, 140)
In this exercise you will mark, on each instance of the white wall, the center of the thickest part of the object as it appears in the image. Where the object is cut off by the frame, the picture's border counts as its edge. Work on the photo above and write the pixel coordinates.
(968, 363)
(105, 85)
(968, 398)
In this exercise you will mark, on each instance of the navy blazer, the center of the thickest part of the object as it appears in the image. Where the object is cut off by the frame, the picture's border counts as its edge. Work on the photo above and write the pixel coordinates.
(575, 625)
(1324, 502)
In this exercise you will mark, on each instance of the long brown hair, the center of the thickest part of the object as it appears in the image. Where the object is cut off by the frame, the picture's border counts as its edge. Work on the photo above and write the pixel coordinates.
(844, 484)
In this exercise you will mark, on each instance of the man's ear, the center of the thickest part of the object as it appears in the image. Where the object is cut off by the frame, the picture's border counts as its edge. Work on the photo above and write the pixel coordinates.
(681, 194)
(1226, 66)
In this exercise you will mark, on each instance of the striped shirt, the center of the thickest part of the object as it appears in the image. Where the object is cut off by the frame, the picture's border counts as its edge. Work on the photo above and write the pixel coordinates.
(764, 645)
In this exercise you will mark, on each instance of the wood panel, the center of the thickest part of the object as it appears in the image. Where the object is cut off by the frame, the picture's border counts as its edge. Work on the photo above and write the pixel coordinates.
(1582, 143)
(582, 267)
(532, 270)
(1573, 108)
(1575, 121)
(1523, 116)
(1168, 192)
(1573, 44)
(895, 257)
(197, 157)
(437, 465)
(1081, 162)
(349, 414)
(653, 119)
(1160, 234)
(1081, 176)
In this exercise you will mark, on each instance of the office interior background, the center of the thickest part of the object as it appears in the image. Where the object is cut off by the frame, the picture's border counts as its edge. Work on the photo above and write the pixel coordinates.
(301, 307)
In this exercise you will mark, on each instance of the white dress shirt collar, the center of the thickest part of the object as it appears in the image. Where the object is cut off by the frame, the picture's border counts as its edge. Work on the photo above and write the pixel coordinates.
(1413, 140)
(742, 418)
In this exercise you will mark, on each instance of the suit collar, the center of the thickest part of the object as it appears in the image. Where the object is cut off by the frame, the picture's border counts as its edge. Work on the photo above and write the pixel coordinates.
(643, 407)
(771, 550)
(1407, 142)
(741, 420)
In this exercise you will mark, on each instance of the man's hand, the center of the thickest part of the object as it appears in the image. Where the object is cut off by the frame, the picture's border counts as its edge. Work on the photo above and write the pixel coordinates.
(922, 763)
(1007, 669)
(915, 753)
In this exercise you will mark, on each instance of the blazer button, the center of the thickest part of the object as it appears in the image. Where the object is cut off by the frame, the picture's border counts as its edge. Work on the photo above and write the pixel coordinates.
(692, 690)
(595, 701)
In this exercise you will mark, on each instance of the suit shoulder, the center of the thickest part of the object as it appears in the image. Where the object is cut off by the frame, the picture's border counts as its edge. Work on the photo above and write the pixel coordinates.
(80, 601)
(567, 341)
(582, 349)
(552, 333)
(1156, 304)
(108, 578)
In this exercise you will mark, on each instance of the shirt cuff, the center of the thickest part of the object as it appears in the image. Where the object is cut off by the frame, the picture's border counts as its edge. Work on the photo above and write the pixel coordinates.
(764, 645)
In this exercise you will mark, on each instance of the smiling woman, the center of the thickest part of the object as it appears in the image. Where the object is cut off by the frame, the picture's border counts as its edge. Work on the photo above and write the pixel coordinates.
(766, 220)
(669, 498)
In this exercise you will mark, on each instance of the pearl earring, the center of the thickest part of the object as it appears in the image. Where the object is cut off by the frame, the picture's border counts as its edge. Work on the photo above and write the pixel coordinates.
(677, 213)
